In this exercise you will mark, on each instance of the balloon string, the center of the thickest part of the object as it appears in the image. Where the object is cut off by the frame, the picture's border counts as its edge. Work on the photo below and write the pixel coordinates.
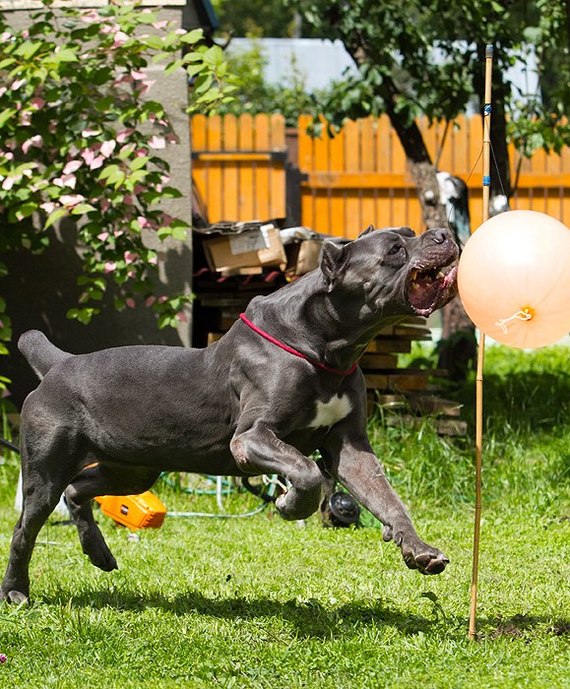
(523, 315)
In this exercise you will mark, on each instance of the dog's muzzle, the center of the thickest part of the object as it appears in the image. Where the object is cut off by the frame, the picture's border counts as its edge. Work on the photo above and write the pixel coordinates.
(430, 287)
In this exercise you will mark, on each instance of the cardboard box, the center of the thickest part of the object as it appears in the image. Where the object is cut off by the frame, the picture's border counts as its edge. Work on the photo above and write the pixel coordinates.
(304, 256)
(251, 248)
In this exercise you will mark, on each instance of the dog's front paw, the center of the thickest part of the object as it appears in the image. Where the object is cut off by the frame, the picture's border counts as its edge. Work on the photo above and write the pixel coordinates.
(424, 557)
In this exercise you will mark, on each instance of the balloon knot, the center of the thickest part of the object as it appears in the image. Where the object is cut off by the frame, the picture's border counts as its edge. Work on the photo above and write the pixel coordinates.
(524, 314)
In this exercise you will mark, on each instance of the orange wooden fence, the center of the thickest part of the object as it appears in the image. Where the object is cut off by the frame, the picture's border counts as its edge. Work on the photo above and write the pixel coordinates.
(354, 179)
(238, 165)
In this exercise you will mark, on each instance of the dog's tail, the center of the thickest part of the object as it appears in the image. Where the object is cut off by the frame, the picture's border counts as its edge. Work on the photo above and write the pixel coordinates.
(40, 352)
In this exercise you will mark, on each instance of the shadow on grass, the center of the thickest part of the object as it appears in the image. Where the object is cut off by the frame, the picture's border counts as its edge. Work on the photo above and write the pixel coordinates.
(312, 619)
(309, 618)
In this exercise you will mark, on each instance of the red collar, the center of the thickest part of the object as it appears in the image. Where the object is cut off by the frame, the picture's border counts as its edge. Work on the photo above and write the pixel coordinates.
(295, 352)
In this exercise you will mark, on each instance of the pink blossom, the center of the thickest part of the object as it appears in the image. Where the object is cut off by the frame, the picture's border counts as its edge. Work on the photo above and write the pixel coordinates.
(157, 142)
(90, 16)
(108, 28)
(160, 24)
(48, 206)
(8, 155)
(123, 135)
(36, 141)
(130, 302)
(182, 317)
(66, 181)
(165, 179)
(109, 266)
(71, 200)
(118, 233)
(37, 103)
(162, 299)
(87, 132)
(131, 273)
(96, 163)
(17, 84)
(144, 222)
(149, 301)
(153, 260)
(120, 38)
(130, 256)
(9, 182)
(3, 90)
(103, 236)
(107, 147)
(72, 166)
(26, 118)
(137, 75)
(181, 32)
(5, 36)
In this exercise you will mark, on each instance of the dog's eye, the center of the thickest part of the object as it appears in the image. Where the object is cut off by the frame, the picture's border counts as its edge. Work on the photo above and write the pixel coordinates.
(395, 249)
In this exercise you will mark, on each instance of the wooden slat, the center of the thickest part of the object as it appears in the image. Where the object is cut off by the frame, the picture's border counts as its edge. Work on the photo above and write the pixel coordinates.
(235, 157)
(277, 184)
(246, 185)
(230, 170)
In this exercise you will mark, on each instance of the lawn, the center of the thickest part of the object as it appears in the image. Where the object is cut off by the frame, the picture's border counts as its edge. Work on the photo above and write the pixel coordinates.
(259, 602)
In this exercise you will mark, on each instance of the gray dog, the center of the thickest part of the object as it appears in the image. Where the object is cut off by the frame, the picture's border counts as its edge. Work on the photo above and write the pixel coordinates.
(281, 384)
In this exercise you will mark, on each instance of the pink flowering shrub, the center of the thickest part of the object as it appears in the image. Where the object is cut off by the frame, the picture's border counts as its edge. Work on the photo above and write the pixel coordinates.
(80, 137)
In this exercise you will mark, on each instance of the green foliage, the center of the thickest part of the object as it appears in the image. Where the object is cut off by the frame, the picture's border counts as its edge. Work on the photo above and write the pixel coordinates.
(255, 17)
(393, 45)
(80, 139)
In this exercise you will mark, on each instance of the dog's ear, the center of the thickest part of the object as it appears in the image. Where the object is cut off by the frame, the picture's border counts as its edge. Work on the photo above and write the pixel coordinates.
(333, 262)
(368, 230)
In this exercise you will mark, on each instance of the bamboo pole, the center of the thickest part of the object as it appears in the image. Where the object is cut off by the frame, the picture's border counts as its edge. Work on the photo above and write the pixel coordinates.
(481, 353)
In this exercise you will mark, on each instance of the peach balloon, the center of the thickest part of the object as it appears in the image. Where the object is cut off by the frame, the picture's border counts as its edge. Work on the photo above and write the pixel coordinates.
(514, 279)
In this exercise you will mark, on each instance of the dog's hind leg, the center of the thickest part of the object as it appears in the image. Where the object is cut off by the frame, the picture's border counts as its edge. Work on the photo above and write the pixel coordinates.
(102, 478)
(41, 493)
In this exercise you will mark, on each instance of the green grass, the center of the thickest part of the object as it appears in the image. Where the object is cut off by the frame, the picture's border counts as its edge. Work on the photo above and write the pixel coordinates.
(263, 603)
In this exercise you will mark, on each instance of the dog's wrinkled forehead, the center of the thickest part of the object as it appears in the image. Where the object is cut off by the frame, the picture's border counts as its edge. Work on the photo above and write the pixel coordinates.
(403, 231)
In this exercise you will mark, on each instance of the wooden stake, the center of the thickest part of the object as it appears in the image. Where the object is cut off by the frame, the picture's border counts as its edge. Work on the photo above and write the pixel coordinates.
(481, 352)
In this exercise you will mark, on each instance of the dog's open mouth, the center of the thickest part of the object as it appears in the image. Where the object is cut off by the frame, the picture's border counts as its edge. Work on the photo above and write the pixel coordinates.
(430, 288)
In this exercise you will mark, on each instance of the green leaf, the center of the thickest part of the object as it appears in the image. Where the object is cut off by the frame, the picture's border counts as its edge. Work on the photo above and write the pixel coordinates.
(57, 214)
(139, 162)
(7, 115)
(82, 208)
(192, 37)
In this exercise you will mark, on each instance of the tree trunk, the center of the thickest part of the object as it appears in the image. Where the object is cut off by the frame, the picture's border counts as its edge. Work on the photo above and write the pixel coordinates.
(457, 347)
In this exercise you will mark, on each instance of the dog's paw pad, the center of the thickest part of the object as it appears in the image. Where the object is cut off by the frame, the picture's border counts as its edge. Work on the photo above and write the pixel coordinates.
(428, 561)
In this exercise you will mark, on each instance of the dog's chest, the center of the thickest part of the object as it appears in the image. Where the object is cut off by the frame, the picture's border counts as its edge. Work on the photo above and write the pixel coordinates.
(331, 412)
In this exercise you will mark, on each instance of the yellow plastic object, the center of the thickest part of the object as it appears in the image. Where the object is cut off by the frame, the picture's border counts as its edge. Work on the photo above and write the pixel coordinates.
(134, 511)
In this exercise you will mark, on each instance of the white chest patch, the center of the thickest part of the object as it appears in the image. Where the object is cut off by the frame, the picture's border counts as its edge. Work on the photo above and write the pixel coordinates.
(331, 412)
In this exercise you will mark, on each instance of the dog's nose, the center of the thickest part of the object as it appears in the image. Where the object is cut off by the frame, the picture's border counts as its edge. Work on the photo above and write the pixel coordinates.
(439, 236)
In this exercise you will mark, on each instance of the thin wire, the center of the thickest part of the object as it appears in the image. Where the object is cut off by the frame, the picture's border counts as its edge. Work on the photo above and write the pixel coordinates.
(499, 174)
